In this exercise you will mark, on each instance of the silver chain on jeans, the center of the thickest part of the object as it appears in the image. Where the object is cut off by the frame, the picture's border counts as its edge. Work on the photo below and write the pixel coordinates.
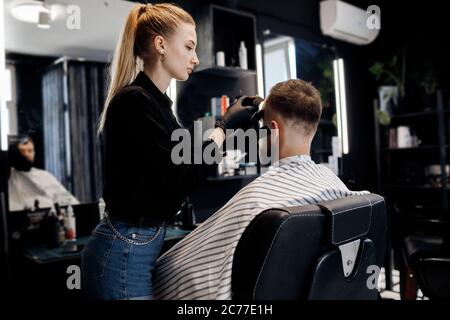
(120, 236)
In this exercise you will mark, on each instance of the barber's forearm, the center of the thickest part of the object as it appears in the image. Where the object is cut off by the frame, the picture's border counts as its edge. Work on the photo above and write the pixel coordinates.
(218, 136)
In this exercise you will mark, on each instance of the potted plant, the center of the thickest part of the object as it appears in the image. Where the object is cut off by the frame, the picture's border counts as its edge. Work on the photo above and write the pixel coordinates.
(429, 84)
(388, 99)
(390, 74)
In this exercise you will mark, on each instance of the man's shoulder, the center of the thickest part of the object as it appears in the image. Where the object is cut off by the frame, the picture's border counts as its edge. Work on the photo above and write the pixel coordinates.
(38, 170)
(41, 173)
(254, 189)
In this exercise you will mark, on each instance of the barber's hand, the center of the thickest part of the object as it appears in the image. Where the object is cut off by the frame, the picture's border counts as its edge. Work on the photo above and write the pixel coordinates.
(240, 113)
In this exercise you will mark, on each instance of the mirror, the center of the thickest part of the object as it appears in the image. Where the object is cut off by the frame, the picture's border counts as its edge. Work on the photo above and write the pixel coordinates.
(294, 58)
(56, 72)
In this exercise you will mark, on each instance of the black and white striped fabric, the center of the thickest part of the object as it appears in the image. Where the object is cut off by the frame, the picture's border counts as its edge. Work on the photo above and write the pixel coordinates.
(199, 266)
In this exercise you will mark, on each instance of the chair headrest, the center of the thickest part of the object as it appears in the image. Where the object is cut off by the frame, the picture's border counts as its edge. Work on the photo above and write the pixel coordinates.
(349, 218)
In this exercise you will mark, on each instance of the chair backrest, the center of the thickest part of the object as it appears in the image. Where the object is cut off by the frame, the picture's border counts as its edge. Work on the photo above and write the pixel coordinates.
(331, 250)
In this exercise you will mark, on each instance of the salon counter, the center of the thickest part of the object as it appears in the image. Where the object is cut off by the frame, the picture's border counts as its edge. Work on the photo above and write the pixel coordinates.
(41, 254)
(39, 271)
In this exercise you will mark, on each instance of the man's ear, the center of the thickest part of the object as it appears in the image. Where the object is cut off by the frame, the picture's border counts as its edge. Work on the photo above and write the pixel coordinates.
(274, 124)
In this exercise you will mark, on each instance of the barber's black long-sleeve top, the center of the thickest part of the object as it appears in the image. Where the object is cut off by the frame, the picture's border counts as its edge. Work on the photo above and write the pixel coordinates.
(140, 178)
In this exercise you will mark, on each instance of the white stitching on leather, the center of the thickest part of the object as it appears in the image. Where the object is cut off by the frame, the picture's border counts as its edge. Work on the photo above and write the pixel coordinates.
(342, 211)
(370, 220)
(357, 236)
(294, 215)
(336, 213)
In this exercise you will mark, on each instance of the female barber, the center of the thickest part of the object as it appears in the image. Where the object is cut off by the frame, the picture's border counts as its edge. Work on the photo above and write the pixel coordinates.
(143, 186)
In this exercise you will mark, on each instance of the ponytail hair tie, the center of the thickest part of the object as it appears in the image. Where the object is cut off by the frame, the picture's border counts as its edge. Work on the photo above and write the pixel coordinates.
(142, 9)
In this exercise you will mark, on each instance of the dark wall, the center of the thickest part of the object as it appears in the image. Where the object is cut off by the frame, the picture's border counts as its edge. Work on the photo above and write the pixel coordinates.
(29, 98)
(4, 248)
(420, 29)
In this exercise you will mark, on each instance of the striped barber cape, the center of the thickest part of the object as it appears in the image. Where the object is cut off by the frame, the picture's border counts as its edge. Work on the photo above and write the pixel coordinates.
(199, 266)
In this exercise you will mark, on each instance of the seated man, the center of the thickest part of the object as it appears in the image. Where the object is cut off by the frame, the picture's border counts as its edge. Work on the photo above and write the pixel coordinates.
(27, 185)
(199, 266)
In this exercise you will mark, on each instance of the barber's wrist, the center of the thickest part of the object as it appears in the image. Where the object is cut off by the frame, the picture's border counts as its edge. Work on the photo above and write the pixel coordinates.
(221, 124)
(218, 136)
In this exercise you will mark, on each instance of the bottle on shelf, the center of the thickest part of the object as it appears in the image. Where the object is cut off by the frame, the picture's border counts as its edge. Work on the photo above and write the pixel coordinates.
(60, 230)
(54, 229)
(70, 224)
(243, 56)
(101, 208)
(224, 103)
(36, 205)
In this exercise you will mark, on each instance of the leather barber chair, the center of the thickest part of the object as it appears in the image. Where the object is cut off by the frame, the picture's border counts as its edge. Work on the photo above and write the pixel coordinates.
(426, 257)
(330, 250)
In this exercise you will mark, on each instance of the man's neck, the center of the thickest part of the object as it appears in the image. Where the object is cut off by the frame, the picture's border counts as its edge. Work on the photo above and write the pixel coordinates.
(159, 77)
(295, 151)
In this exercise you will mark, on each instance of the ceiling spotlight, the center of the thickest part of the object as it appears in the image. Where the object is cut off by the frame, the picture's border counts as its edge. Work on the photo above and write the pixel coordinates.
(44, 20)
(29, 10)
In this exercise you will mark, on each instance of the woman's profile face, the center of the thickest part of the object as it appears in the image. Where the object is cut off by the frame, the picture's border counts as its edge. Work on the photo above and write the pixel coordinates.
(180, 55)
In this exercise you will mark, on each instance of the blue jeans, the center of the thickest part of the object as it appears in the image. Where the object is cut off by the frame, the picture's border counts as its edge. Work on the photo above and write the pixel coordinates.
(119, 259)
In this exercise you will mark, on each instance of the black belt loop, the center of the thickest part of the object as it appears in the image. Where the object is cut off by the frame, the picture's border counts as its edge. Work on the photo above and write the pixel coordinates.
(142, 222)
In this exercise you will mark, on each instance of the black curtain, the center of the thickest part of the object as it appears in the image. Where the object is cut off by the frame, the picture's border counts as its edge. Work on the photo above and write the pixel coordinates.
(74, 94)
(86, 84)
(54, 109)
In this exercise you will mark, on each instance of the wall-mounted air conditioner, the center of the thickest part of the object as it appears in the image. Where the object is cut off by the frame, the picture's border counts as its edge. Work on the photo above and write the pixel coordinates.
(346, 22)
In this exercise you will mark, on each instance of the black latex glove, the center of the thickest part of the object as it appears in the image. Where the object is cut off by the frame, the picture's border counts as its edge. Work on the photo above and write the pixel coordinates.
(240, 113)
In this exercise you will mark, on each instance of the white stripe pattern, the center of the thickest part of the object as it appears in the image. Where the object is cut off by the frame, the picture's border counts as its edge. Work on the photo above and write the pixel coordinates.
(199, 266)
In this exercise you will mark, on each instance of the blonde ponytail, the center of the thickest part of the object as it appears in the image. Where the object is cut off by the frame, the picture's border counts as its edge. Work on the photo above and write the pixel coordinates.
(123, 67)
(133, 49)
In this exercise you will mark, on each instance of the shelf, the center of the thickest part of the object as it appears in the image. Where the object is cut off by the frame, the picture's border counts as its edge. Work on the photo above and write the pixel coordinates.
(411, 148)
(233, 72)
(414, 115)
(223, 29)
(227, 178)
(393, 186)
(326, 122)
(322, 151)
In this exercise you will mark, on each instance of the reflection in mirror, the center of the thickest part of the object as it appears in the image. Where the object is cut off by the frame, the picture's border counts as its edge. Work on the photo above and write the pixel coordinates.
(289, 58)
(56, 88)
(279, 60)
(28, 186)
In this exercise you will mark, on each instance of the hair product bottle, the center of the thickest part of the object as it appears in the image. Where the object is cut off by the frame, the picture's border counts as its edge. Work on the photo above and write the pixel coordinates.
(70, 224)
(243, 56)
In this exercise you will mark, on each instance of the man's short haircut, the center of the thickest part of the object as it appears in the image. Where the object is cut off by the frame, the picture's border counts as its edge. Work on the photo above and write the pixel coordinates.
(298, 101)
(18, 140)
(24, 139)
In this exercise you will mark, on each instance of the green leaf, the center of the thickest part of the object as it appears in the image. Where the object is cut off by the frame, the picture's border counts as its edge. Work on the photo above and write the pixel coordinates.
(377, 69)
(327, 73)
(383, 117)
